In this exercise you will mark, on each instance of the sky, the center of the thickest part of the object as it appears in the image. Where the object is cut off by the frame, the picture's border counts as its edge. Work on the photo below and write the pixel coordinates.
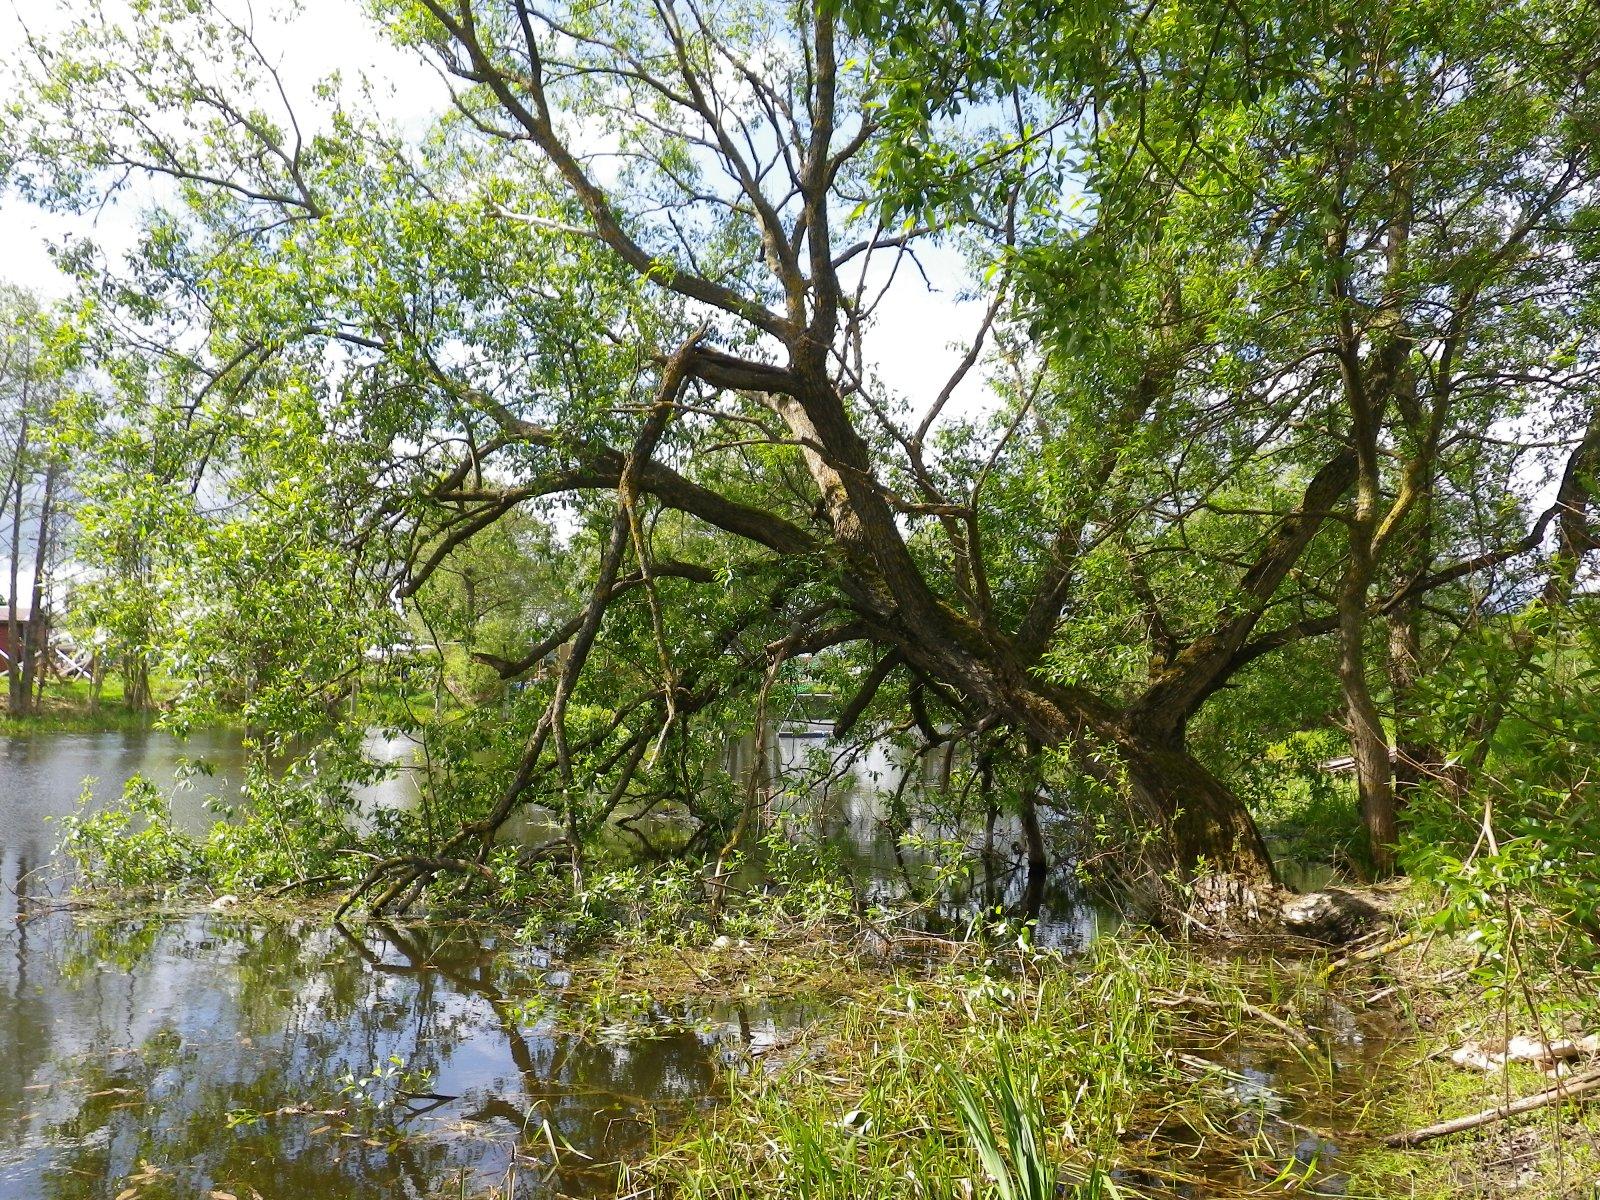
(24, 230)
(913, 343)
(918, 341)
(331, 35)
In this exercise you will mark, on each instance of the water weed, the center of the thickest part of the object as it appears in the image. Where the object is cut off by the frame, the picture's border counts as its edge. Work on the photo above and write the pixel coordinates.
(1009, 1080)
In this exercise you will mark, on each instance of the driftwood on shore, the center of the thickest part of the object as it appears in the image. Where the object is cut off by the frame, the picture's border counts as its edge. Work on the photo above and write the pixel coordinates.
(1566, 1089)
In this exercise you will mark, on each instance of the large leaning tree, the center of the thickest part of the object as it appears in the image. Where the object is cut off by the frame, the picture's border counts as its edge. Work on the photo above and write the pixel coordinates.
(1342, 239)
(1263, 292)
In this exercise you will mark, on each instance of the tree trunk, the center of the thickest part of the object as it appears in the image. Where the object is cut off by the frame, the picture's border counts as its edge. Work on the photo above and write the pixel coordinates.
(1032, 835)
(1206, 828)
(35, 659)
(1209, 830)
(1369, 744)
(1416, 761)
(136, 681)
(1028, 813)
(16, 700)
(39, 648)
(1031, 901)
(1373, 380)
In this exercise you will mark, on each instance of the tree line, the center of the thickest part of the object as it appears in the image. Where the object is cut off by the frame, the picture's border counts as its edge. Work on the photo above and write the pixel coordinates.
(33, 382)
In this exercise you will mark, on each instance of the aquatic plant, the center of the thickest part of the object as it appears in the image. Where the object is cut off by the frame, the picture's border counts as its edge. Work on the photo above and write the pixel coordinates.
(1014, 1159)
(1008, 1080)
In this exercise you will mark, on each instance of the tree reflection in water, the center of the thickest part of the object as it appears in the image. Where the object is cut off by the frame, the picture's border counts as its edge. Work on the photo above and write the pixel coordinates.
(134, 1042)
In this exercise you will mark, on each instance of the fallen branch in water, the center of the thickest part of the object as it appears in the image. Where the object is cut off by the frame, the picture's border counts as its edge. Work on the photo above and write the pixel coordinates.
(313, 881)
(1566, 1089)
(409, 868)
(41, 908)
(1389, 947)
(415, 871)
(1298, 1036)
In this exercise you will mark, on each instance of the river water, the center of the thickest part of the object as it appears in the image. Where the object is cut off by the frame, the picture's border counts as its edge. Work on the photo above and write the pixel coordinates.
(180, 1056)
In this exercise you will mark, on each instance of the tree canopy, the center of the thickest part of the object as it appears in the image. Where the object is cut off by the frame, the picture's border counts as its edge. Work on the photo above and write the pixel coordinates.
(1287, 363)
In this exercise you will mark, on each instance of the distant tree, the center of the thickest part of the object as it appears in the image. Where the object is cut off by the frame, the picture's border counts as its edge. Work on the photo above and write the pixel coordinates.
(35, 379)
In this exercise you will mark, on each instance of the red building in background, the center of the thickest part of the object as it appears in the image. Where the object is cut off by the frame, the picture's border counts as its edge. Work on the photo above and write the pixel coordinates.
(24, 614)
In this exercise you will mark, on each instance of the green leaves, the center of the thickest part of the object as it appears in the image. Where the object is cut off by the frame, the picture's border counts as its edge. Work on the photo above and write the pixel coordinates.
(130, 845)
(368, 384)
(1514, 857)
(1013, 1155)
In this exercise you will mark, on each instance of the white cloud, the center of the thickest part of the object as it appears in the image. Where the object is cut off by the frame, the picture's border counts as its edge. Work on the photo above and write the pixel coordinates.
(922, 331)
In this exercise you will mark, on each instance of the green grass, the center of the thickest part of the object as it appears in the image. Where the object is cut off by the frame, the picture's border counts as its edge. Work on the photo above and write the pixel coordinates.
(985, 1083)
(66, 708)
(1013, 1154)
(391, 706)
(1547, 1154)
(1113, 1075)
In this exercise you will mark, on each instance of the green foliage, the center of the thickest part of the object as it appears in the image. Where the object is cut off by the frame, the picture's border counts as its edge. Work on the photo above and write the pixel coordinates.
(664, 903)
(293, 823)
(384, 1086)
(366, 386)
(1001, 1081)
(807, 876)
(1510, 838)
(802, 886)
(1014, 1159)
(131, 844)
(1309, 811)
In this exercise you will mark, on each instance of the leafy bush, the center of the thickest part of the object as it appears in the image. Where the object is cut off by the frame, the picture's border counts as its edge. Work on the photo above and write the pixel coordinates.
(292, 824)
(666, 903)
(1310, 813)
(1510, 836)
(131, 844)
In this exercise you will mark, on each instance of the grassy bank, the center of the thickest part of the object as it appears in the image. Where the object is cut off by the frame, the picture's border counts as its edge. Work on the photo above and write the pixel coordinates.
(68, 707)
(984, 1069)
(1440, 998)
(1097, 1076)
(1143, 1068)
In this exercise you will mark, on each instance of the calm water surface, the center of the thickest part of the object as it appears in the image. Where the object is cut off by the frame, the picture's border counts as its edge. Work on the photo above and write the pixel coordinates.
(217, 1051)
(182, 1056)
